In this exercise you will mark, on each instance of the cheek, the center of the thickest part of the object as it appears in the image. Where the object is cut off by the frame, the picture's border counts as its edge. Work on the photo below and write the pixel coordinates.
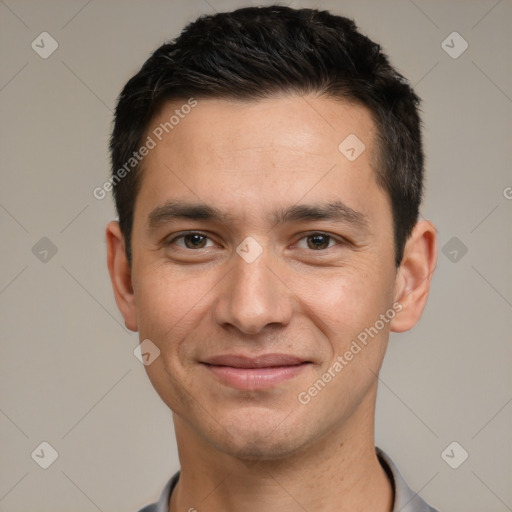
(169, 307)
(169, 303)
(344, 300)
(347, 306)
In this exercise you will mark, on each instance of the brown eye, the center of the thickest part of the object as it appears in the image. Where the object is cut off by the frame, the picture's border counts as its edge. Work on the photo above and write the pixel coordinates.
(194, 241)
(318, 241)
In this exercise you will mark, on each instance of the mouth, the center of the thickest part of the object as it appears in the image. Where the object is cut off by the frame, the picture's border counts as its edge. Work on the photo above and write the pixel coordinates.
(250, 373)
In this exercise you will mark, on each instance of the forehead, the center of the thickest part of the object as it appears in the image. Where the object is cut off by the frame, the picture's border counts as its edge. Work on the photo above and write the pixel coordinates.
(252, 155)
(298, 123)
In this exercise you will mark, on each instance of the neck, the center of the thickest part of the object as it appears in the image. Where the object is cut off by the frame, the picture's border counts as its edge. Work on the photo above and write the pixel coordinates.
(339, 472)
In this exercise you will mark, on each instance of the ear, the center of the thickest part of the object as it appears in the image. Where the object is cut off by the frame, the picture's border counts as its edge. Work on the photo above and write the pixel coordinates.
(121, 275)
(415, 275)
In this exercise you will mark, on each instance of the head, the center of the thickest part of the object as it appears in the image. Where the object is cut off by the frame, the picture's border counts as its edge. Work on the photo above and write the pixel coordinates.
(268, 204)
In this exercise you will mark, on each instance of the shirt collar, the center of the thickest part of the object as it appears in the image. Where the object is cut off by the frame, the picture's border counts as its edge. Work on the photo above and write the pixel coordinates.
(406, 500)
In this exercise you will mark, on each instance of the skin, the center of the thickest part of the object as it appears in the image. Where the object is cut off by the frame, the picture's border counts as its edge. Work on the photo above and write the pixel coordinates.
(261, 449)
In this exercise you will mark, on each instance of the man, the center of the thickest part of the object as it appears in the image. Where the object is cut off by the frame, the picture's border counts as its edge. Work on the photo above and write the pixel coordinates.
(267, 172)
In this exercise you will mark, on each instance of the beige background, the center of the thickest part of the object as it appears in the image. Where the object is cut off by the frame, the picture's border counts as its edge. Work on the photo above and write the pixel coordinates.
(68, 375)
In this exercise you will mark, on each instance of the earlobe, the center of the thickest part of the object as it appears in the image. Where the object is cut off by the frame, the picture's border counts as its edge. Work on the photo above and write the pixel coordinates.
(120, 275)
(415, 275)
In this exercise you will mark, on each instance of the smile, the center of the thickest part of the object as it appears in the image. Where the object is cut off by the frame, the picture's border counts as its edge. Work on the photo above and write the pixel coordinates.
(255, 373)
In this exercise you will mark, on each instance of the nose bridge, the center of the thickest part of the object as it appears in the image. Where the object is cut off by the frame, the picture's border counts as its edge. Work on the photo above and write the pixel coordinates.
(252, 295)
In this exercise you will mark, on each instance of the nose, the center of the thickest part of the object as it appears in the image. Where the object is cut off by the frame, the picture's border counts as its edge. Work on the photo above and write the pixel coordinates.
(253, 296)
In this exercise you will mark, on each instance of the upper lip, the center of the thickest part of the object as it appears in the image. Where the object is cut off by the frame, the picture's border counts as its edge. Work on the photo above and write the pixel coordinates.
(262, 361)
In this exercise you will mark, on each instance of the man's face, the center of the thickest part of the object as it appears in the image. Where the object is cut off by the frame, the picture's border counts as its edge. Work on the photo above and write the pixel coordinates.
(250, 308)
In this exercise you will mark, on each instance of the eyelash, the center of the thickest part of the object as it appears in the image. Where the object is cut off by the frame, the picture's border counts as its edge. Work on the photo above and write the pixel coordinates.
(339, 241)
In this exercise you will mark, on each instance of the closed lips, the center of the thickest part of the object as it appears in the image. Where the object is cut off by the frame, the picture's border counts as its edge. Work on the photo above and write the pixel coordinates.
(263, 361)
(255, 373)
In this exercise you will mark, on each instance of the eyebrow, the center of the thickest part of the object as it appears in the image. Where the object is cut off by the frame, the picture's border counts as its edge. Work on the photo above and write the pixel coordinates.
(333, 211)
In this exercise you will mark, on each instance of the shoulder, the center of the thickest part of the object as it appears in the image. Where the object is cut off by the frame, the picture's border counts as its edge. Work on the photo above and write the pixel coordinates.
(163, 502)
(406, 500)
(149, 508)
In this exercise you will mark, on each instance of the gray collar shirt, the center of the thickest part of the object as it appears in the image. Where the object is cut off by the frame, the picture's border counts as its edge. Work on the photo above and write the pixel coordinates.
(406, 500)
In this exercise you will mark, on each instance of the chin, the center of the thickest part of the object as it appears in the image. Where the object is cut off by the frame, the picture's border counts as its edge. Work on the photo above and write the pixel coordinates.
(259, 450)
(260, 434)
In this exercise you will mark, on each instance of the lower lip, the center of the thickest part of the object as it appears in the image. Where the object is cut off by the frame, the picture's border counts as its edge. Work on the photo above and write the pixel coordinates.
(255, 378)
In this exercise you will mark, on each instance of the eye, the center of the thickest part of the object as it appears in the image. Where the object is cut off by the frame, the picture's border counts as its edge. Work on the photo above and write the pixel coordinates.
(317, 241)
(192, 240)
